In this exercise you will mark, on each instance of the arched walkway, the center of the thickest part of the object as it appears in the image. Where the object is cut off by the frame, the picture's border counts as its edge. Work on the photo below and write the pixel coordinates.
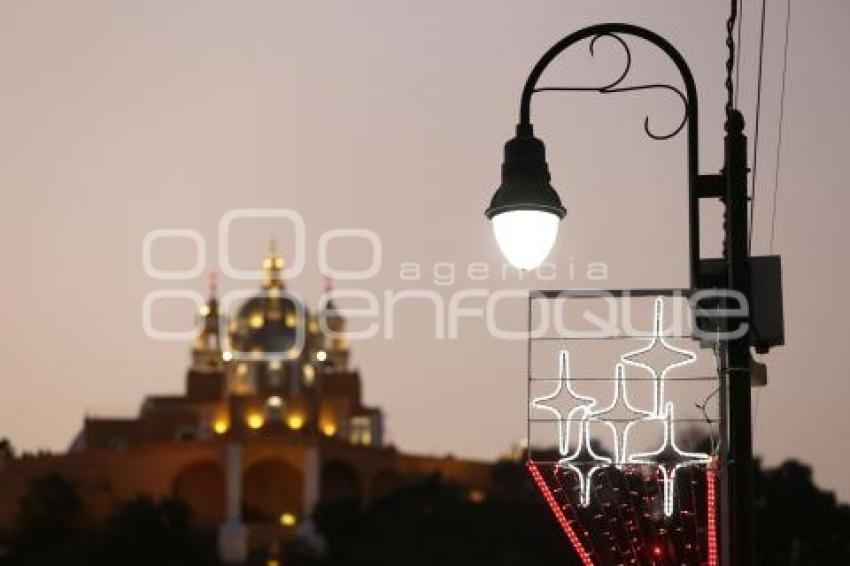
(201, 486)
(271, 488)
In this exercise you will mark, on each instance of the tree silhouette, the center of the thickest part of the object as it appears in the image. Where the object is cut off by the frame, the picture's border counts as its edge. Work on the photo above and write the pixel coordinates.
(797, 523)
(425, 523)
(7, 451)
(143, 532)
(433, 522)
(51, 526)
(436, 522)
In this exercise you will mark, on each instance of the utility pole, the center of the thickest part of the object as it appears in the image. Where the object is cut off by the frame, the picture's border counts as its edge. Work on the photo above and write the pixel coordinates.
(738, 358)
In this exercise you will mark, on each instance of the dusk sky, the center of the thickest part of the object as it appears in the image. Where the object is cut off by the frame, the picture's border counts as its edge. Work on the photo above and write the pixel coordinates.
(120, 118)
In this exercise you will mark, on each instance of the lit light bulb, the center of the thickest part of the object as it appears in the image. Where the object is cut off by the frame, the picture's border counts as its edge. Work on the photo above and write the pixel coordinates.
(525, 236)
(288, 519)
(255, 421)
(295, 421)
(220, 426)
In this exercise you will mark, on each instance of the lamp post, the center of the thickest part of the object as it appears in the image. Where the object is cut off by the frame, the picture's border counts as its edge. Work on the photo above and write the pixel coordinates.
(525, 211)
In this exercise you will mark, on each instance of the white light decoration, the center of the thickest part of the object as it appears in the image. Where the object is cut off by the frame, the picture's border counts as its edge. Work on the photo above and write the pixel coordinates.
(658, 341)
(584, 457)
(525, 236)
(669, 458)
(622, 426)
(620, 416)
(564, 387)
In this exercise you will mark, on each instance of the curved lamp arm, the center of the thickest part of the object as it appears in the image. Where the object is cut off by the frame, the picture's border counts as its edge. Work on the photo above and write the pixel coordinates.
(691, 109)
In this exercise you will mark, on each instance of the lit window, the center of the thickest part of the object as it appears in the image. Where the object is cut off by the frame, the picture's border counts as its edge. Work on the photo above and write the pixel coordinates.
(275, 401)
(361, 431)
(321, 355)
(291, 319)
(227, 356)
(288, 519)
(295, 421)
(242, 369)
(255, 421)
(329, 429)
(256, 320)
(274, 365)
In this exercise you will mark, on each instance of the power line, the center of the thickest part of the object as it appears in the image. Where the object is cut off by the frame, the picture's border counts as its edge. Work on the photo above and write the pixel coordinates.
(738, 58)
(781, 120)
(758, 120)
(730, 59)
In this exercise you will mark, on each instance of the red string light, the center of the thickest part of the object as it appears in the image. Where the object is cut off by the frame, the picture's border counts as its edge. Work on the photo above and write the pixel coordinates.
(624, 526)
(711, 496)
(656, 550)
(559, 514)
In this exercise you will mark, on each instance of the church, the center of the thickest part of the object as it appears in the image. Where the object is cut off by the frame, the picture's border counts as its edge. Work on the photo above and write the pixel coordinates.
(272, 423)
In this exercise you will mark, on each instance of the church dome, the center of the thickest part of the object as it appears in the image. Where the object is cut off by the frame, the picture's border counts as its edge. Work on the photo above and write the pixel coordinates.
(269, 322)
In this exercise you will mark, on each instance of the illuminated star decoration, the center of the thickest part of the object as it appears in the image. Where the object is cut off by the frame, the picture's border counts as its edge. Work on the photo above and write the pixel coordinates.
(669, 458)
(564, 388)
(658, 341)
(584, 458)
(621, 416)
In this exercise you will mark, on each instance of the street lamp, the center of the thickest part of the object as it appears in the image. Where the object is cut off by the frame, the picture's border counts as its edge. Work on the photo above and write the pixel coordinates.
(525, 209)
(525, 212)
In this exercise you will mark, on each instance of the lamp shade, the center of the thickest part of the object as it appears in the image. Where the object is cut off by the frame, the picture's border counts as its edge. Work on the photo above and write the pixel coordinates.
(525, 210)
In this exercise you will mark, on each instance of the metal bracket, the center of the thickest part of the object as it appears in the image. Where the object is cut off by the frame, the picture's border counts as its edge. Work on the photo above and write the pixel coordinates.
(711, 186)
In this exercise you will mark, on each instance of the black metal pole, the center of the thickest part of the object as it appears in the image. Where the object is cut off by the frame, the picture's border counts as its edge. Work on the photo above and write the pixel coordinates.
(691, 110)
(740, 464)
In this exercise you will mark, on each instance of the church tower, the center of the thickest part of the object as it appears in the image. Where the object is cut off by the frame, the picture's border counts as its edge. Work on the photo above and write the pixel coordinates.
(335, 343)
(206, 351)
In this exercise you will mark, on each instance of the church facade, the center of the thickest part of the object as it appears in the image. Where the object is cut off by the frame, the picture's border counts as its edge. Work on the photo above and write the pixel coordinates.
(272, 422)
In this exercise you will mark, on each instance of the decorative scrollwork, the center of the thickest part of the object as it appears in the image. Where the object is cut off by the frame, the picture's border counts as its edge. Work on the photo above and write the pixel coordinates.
(615, 86)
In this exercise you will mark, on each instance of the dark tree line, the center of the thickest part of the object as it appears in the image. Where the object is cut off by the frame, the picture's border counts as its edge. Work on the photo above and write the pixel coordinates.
(431, 523)
(52, 527)
(796, 522)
